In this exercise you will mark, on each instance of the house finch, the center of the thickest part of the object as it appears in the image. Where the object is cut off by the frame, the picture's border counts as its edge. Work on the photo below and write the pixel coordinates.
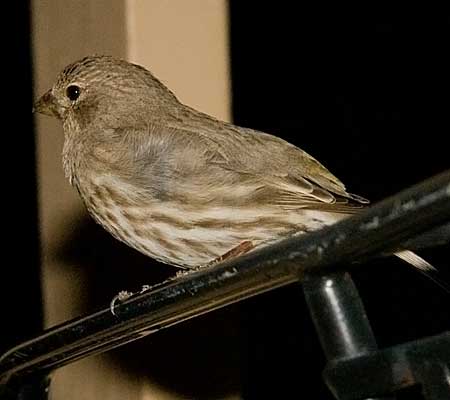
(176, 184)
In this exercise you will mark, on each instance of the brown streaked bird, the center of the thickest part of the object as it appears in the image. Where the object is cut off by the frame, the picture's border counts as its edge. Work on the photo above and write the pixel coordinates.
(178, 185)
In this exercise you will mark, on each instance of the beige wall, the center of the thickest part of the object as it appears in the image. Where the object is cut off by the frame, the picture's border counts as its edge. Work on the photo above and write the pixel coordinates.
(185, 45)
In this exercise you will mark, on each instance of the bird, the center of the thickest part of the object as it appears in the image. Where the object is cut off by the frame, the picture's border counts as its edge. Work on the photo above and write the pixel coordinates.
(178, 185)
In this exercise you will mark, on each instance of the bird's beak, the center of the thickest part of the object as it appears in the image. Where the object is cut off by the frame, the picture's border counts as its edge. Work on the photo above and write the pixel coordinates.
(47, 105)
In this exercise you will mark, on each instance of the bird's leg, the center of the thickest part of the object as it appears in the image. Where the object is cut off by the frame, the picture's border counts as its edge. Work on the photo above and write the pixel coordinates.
(240, 249)
(119, 297)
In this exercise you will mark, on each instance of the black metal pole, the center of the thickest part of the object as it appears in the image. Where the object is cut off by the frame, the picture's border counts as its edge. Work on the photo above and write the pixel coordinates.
(339, 317)
(386, 224)
(434, 376)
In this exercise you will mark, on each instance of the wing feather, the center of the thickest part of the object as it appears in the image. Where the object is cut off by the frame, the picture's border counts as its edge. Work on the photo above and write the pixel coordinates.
(214, 164)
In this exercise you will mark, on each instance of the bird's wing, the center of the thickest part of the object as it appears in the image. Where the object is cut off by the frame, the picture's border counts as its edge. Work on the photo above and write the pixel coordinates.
(297, 178)
(237, 166)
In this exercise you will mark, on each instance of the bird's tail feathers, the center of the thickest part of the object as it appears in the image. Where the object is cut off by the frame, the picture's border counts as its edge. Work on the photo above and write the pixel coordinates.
(415, 260)
(423, 267)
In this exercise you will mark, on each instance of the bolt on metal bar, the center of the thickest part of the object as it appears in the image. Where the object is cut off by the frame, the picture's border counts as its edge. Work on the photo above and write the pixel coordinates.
(339, 317)
(385, 225)
(435, 375)
(422, 362)
(338, 314)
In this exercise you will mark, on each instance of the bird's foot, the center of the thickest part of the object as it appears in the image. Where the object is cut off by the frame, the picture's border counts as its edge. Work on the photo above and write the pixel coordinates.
(121, 296)
(125, 295)
(239, 250)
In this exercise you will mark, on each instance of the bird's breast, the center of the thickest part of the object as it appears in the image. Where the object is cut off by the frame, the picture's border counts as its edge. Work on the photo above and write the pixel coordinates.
(183, 234)
(142, 222)
(120, 209)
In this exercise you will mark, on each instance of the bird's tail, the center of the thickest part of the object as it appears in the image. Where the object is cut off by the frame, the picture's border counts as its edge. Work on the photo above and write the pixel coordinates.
(423, 267)
(415, 261)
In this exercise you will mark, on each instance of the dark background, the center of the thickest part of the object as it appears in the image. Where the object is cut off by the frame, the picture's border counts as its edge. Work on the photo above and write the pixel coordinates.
(366, 91)
(19, 279)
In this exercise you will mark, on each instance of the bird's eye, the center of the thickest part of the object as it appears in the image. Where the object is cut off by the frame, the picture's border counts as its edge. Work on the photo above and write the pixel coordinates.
(73, 92)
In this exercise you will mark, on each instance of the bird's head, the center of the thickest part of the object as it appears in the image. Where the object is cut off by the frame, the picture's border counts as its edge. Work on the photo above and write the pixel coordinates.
(105, 90)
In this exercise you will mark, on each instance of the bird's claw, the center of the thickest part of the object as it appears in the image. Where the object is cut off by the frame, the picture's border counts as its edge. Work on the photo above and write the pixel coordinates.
(121, 296)
(144, 288)
(125, 295)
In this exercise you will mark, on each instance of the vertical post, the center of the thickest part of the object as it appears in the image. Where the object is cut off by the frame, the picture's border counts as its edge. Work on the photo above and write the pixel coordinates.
(20, 283)
(340, 319)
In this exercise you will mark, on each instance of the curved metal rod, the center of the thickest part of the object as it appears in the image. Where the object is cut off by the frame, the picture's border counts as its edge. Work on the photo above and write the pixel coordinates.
(385, 225)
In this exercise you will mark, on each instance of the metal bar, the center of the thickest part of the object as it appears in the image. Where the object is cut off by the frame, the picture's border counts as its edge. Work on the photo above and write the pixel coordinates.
(439, 236)
(435, 378)
(432, 370)
(339, 317)
(422, 361)
(386, 224)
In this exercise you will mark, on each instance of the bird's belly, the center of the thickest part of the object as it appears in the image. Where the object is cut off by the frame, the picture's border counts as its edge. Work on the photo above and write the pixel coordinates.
(160, 240)
(174, 238)
(178, 239)
(188, 236)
